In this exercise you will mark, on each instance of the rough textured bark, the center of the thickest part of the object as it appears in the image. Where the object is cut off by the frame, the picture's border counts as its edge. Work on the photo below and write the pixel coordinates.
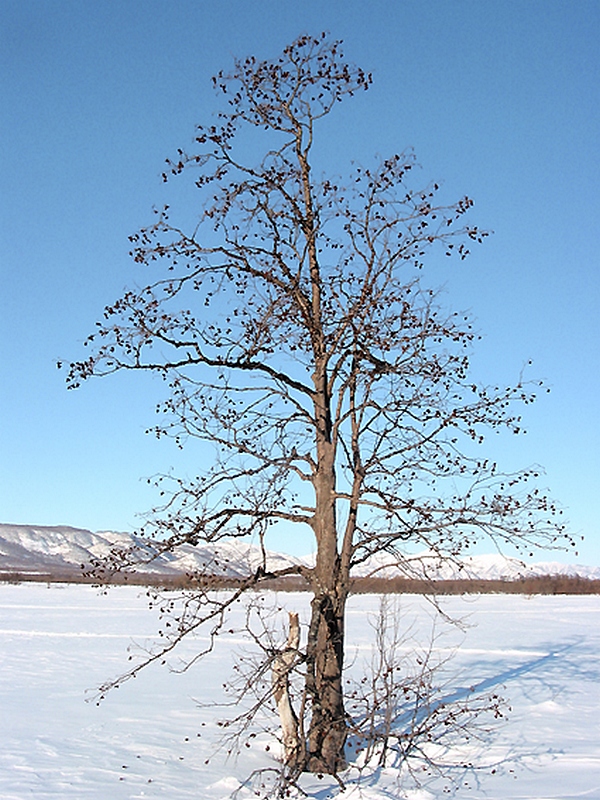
(325, 661)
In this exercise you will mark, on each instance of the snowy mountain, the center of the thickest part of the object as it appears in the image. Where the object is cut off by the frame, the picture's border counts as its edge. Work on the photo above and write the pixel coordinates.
(41, 550)
(493, 566)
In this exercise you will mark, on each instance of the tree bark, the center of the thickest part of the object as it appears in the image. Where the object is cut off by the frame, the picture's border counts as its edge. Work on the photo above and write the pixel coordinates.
(325, 658)
(325, 647)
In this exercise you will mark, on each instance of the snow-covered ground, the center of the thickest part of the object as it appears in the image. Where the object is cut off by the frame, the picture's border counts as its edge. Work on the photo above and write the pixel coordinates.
(150, 739)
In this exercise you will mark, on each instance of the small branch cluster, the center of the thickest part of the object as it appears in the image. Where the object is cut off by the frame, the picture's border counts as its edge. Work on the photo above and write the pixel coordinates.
(407, 712)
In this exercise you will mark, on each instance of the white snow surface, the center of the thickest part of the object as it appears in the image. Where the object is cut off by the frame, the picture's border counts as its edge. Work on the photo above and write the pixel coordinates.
(155, 737)
(31, 549)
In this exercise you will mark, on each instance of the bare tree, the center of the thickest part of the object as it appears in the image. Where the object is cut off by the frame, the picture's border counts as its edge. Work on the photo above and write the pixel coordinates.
(295, 334)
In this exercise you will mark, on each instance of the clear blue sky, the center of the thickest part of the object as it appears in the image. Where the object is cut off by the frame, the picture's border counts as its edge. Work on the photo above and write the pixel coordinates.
(499, 99)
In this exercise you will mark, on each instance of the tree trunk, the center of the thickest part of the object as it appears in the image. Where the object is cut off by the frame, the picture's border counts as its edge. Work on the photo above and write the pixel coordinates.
(325, 658)
(325, 647)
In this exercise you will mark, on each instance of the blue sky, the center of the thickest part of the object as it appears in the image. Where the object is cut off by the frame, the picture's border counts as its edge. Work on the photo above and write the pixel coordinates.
(499, 100)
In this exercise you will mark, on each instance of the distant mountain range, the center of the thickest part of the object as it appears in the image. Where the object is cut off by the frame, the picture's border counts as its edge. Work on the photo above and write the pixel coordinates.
(33, 550)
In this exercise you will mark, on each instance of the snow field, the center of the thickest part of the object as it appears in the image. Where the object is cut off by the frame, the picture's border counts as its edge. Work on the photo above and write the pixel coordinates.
(151, 738)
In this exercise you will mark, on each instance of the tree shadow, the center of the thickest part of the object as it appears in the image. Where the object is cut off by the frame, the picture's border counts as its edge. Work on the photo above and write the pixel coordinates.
(546, 674)
(573, 659)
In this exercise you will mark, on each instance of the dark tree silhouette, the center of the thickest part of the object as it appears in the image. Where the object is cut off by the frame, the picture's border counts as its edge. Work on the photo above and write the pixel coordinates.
(296, 336)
